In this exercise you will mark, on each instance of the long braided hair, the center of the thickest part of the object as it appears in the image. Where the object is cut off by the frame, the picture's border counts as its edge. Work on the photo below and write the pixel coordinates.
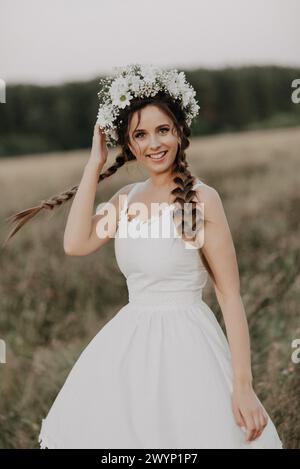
(184, 195)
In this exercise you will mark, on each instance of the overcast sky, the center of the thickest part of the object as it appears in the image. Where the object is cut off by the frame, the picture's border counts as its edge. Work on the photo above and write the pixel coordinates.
(61, 40)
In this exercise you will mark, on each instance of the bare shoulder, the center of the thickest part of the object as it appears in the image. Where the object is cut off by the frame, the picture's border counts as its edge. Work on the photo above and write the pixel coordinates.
(207, 194)
(211, 199)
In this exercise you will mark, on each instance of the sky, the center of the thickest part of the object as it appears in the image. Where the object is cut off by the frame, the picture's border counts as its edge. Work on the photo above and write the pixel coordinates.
(49, 42)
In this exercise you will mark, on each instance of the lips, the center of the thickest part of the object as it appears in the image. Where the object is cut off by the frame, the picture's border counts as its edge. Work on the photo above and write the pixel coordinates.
(157, 156)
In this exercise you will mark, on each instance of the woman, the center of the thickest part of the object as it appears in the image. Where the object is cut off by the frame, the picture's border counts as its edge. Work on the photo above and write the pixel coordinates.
(160, 373)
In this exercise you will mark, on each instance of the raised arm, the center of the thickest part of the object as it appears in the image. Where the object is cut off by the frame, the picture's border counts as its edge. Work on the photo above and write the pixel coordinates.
(80, 237)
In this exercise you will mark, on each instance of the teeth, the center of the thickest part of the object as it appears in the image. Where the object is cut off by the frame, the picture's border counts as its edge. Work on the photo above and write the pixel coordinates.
(157, 156)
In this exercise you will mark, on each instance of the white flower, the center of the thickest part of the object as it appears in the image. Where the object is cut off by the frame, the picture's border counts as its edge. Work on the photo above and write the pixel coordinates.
(119, 92)
(104, 115)
(181, 80)
(134, 83)
(173, 88)
(186, 96)
(122, 100)
(149, 73)
(113, 134)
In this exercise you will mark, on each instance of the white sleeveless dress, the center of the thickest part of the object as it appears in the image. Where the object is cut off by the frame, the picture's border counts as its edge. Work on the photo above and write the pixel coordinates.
(158, 374)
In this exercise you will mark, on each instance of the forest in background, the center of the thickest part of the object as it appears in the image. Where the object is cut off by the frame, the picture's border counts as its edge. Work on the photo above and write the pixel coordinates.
(40, 119)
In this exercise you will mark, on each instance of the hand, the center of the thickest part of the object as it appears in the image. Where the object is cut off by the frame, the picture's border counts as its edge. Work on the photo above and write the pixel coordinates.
(249, 412)
(99, 150)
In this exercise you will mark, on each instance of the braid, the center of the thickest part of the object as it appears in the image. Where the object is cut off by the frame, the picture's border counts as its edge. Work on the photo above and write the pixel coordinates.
(21, 218)
(120, 160)
(25, 215)
(184, 194)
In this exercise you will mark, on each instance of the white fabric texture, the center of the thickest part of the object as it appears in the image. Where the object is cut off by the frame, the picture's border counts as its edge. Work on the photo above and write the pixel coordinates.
(158, 374)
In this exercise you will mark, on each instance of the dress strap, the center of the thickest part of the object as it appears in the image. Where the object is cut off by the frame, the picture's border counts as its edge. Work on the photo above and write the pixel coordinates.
(197, 184)
(125, 204)
(128, 196)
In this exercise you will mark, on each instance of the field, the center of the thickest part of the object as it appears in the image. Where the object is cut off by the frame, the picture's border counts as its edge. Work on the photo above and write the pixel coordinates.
(52, 305)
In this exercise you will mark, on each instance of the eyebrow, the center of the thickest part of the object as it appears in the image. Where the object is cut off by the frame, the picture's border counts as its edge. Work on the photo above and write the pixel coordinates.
(161, 125)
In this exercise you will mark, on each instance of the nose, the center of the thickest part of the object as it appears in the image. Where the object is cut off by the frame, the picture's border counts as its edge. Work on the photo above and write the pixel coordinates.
(154, 144)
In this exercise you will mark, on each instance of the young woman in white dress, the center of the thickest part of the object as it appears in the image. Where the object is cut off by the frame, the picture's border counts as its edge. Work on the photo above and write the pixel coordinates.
(160, 373)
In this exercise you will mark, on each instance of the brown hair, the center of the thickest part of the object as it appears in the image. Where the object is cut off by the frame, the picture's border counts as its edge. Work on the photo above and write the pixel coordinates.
(184, 195)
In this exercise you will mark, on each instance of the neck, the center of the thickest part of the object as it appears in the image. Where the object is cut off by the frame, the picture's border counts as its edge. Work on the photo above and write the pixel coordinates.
(159, 181)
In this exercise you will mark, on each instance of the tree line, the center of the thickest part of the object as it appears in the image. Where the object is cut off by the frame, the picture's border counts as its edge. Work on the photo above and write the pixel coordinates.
(61, 117)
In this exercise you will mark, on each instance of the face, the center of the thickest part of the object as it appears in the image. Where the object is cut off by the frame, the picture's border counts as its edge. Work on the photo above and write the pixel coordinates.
(155, 134)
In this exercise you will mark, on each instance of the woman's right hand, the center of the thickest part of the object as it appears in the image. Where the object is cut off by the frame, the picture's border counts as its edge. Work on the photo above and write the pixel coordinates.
(99, 150)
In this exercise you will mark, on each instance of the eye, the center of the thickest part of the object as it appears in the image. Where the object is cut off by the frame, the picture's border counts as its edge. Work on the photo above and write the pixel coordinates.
(138, 134)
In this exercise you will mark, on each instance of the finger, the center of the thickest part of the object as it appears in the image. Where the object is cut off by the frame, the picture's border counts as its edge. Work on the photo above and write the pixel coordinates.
(241, 419)
(258, 434)
(236, 413)
(258, 427)
(250, 425)
(266, 418)
(251, 433)
(98, 129)
(263, 420)
(103, 135)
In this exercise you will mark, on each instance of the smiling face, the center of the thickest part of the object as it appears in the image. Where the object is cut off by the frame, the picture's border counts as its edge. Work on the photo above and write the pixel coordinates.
(154, 135)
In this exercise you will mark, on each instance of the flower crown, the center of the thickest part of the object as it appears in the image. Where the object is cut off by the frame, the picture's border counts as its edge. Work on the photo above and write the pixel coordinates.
(137, 80)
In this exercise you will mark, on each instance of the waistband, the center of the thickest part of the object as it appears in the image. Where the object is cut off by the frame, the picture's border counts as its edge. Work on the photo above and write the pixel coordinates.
(166, 298)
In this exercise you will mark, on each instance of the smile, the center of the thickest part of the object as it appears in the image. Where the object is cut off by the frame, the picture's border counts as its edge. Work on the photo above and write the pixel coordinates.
(157, 156)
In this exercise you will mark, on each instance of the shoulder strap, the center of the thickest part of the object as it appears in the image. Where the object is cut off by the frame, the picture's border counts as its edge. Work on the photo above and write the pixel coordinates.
(197, 184)
(125, 204)
(129, 195)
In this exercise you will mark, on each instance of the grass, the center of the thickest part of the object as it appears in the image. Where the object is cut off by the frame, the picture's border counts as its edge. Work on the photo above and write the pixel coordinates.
(52, 305)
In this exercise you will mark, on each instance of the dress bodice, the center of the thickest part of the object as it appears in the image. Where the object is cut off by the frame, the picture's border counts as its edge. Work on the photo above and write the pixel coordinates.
(157, 263)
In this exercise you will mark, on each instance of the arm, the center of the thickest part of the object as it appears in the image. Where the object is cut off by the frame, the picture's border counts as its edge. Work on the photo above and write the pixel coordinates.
(78, 225)
(79, 222)
(80, 237)
(218, 248)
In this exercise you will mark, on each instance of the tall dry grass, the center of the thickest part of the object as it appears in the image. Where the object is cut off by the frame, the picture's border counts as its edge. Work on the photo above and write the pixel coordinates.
(52, 305)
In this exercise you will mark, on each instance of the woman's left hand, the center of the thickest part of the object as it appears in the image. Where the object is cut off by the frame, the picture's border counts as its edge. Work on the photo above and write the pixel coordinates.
(248, 412)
